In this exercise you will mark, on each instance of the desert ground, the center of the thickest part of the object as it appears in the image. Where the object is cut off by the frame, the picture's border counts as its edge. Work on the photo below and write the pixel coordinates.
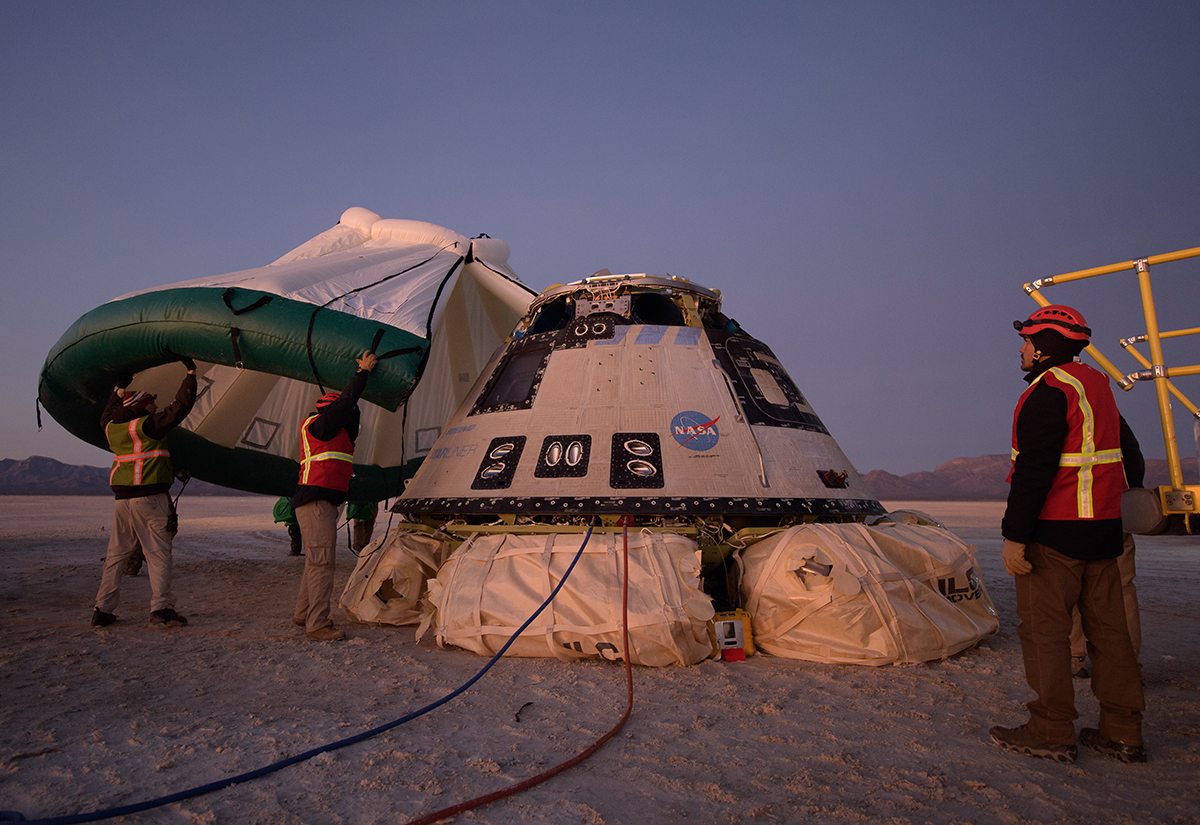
(93, 720)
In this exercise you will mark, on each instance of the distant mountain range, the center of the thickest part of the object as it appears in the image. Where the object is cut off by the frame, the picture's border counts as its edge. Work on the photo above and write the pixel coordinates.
(961, 479)
(982, 479)
(41, 476)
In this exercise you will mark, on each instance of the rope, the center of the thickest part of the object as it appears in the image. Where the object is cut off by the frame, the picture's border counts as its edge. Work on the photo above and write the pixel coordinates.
(95, 816)
(429, 819)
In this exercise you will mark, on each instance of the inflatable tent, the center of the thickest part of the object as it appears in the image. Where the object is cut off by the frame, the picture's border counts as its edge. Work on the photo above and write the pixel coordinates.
(269, 341)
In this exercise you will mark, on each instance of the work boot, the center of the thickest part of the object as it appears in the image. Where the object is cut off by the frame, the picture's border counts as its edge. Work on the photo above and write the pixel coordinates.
(328, 633)
(1079, 668)
(1022, 740)
(1090, 738)
(168, 617)
(102, 619)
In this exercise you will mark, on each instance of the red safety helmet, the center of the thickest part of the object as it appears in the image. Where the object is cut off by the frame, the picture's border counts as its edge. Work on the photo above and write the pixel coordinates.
(1060, 318)
(327, 399)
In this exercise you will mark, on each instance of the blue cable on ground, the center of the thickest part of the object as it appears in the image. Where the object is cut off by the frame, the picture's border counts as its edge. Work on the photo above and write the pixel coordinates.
(125, 810)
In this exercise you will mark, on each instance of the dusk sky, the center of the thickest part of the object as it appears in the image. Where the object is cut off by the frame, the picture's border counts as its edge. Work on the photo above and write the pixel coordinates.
(868, 183)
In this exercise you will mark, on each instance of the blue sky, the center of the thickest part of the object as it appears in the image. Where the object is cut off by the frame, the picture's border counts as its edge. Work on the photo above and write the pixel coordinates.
(869, 183)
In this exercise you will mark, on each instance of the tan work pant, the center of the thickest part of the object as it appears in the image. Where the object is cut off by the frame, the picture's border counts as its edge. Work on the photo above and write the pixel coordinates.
(318, 528)
(1045, 599)
(137, 520)
(1128, 570)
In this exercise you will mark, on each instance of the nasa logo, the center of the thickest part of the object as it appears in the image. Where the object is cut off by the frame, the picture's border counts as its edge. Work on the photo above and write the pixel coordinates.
(694, 430)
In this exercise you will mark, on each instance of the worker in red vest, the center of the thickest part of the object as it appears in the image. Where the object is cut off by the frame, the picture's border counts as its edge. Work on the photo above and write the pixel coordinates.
(141, 477)
(1062, 536)
(327, 439)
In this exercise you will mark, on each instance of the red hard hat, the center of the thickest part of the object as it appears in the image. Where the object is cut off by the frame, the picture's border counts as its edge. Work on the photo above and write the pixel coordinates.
(1059, 318)
(327, 399)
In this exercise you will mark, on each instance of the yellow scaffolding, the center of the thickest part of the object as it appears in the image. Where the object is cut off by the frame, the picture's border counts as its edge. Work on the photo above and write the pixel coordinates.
(1177, 497)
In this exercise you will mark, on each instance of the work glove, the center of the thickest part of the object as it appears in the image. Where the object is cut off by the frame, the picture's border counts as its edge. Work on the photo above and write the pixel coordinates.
(367, 361)
(1014, 558)
(183, 359)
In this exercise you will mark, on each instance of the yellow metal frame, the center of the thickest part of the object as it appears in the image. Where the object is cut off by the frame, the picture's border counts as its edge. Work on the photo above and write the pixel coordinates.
(1176, 498)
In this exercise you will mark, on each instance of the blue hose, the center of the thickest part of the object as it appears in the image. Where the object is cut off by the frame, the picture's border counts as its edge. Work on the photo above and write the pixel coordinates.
(125, 810)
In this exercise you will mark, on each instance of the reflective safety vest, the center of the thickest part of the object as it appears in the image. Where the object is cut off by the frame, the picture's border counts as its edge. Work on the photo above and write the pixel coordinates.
(326, 464)
(137, 458)
(1091, 474)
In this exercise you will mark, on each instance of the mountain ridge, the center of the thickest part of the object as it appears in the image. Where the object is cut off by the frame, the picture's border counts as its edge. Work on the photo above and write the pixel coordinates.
(982, 478)
(42, 476)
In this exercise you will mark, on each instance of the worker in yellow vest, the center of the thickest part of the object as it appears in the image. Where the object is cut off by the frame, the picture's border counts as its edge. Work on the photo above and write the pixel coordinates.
(327, 440)
(141, 477)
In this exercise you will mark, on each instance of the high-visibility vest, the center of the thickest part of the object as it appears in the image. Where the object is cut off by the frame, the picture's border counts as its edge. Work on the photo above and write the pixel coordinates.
(326, 464)
(1091, 474)
(137, 458)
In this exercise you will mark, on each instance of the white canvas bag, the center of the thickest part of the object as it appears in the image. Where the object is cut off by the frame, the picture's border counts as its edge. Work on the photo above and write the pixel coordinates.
(492, 584)
(886, 594)
(389, 579)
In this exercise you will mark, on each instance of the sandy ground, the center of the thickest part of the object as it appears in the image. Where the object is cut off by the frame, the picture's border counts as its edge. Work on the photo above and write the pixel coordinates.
(95, 719)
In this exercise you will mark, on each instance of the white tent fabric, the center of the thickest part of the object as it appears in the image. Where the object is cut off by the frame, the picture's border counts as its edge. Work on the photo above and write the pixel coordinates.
(353, 268)
(390, 578)
(493, 583)
(385, 270)
(887, 594)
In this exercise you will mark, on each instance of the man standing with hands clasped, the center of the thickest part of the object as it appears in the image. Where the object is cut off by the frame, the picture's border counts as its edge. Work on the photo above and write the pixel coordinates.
(327, 438)
(1062, 536)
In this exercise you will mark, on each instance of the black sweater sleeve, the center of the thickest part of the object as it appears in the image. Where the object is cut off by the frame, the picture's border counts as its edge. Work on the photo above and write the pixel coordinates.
(165, 420)
(1041, 433)
(342, 414)
(1131, 451)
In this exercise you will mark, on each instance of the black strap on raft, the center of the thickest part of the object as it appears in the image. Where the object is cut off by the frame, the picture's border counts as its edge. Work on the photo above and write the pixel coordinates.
(234, 333)
(312, 361)
(227, 297)
(392, 353)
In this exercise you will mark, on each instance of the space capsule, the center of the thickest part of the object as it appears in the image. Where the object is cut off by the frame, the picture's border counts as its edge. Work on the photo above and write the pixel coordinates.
(634, 394)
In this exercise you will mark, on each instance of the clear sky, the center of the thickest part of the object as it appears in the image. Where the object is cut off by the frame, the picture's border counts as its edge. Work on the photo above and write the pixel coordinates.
(869, 183)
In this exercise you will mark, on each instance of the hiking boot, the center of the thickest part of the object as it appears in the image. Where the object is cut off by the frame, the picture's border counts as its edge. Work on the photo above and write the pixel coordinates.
(102, 619)
(1022, 740)
(328, 633)
(168, 617)
(1090, 738)
(1079, 668)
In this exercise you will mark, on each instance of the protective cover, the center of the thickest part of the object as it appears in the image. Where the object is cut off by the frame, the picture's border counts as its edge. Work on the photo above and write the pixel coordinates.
(269, 341)
(389, 580)
(848, 593)
(492, 584)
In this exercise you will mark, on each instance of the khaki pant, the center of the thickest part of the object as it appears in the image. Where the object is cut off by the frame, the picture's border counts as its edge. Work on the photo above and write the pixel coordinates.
(318, 527)
(1128, 570)
(1045, 599)
(138, 520)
